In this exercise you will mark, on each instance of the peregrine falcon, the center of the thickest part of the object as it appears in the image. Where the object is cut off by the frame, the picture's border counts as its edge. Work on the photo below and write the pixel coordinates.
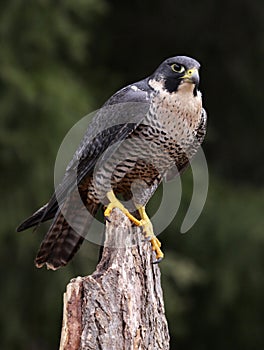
(129, 158)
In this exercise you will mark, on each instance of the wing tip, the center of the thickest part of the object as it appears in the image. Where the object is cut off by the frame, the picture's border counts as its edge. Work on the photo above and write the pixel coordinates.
(23, 226)
(35, 219)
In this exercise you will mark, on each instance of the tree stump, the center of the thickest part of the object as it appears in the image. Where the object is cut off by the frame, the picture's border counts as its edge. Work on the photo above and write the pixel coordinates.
(120, 306)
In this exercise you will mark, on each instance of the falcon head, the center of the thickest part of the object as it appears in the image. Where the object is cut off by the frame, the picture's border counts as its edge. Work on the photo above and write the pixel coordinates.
(176, 71)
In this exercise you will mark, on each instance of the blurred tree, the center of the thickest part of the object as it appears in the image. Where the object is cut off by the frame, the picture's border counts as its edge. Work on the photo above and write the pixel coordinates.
(221, 305)
(44, 49)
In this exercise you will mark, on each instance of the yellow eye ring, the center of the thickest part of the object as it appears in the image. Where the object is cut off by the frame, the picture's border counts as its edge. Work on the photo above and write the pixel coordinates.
(177, 68)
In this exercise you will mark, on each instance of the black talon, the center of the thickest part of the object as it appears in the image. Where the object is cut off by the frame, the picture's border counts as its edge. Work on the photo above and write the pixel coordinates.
(107, 219)
(157, 261)
(146, 239)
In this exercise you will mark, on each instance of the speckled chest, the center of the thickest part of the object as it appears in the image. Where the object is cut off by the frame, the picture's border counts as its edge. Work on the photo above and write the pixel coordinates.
(177, 114)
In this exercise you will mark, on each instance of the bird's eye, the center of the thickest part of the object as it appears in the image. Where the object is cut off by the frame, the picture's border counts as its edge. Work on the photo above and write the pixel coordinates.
(177, 68)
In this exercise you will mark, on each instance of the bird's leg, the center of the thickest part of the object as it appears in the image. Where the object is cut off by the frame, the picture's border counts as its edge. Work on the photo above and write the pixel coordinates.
(115, 203)
(149, 234)
(144, 222)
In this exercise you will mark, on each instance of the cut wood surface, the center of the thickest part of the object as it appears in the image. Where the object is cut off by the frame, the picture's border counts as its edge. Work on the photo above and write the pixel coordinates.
(120, 306)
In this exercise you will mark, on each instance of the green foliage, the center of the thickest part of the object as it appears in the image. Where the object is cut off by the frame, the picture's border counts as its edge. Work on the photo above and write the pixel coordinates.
(60, 59)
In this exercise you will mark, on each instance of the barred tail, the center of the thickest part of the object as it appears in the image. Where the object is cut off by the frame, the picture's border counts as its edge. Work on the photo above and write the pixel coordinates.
(62, 241)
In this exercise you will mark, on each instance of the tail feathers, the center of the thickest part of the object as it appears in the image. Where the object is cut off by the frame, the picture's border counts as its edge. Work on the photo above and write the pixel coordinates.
(59, 245)
(62, 241)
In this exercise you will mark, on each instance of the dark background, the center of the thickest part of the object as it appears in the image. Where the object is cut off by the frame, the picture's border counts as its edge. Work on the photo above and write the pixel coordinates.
(59, 61)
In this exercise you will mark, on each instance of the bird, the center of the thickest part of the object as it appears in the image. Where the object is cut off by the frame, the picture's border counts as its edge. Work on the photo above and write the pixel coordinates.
(140, 134)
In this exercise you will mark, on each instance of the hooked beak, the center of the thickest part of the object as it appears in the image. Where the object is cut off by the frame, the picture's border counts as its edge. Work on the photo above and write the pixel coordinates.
(191, 76)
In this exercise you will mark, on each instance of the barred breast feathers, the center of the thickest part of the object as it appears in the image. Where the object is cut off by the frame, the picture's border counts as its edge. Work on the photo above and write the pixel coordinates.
(178, 112)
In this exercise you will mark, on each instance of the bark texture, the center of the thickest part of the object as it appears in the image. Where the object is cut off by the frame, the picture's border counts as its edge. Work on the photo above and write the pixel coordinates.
(120, 306)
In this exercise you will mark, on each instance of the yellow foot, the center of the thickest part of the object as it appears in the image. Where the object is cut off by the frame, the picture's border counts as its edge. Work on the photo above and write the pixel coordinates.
(144, 222)
(156, 247)
(115, 203)
(149, 234)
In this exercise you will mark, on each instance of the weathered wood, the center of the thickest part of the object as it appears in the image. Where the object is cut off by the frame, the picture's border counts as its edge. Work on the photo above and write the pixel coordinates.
(120, 306)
